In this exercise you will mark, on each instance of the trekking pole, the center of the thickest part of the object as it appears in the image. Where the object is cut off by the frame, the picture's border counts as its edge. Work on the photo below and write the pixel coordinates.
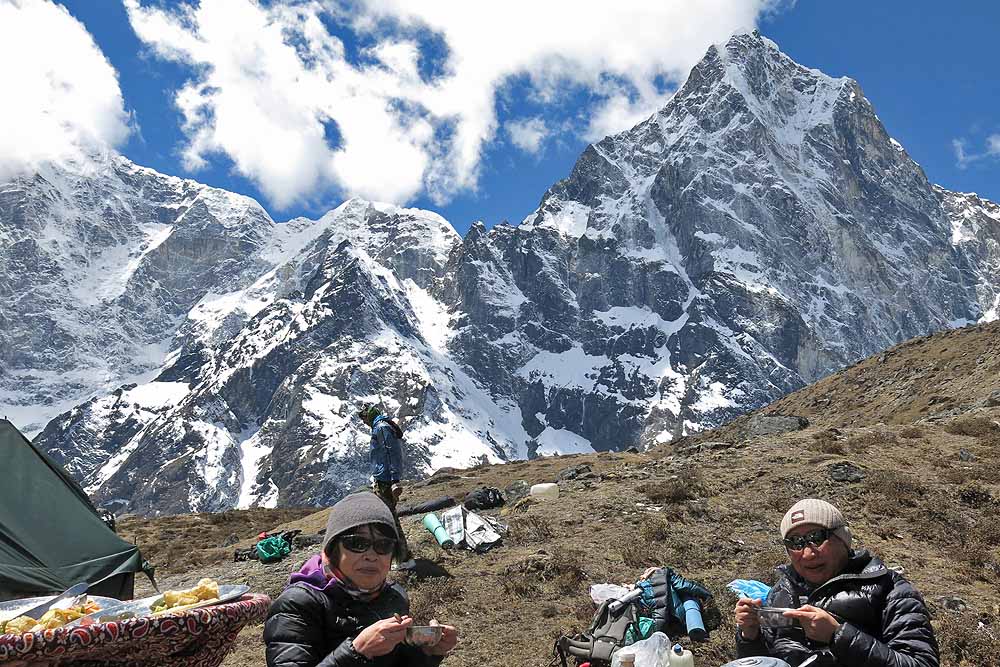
(633, 594)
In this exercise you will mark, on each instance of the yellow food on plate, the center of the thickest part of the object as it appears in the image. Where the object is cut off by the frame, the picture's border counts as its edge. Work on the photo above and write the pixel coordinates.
(19, 625)
(207, 589)
(53, 618)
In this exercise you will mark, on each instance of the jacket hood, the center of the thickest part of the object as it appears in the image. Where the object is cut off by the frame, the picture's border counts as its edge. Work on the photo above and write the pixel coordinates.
(313, 575)
(860, 565)
(390, 423)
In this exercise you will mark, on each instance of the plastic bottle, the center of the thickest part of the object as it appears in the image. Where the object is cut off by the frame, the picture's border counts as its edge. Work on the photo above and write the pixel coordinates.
(627, 660)
(663, 656)
(546, 491)
(681, 657)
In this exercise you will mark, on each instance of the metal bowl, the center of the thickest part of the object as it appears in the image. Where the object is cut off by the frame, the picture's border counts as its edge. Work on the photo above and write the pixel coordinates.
(424, 635)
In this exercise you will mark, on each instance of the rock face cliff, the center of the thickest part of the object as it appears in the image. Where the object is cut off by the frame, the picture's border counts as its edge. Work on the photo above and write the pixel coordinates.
(759, 232)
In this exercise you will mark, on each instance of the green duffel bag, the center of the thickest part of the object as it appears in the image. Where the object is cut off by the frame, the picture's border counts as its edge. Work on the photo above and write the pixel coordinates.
(271, 549)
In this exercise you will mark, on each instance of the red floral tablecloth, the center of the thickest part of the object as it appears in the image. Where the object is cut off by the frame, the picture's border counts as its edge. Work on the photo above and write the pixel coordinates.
(195, 638)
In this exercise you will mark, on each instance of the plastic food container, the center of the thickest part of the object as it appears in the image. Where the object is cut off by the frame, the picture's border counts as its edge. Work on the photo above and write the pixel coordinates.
(546, 491)
(773, 617)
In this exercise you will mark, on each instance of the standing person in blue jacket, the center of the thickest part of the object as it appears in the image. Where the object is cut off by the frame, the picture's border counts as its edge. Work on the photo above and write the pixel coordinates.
(387, 467)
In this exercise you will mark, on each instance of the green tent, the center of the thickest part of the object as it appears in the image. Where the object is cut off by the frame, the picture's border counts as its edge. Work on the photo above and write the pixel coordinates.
(51, 536)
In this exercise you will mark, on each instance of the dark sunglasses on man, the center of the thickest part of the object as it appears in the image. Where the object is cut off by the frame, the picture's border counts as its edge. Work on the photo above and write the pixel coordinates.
(360, 544)
(813, 538)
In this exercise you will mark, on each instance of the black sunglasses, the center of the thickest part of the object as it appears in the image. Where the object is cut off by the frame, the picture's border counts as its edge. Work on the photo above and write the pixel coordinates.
(813, 538)
(360, 544)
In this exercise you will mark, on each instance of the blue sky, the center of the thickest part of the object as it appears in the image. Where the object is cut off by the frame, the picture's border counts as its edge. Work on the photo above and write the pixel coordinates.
(501, 128)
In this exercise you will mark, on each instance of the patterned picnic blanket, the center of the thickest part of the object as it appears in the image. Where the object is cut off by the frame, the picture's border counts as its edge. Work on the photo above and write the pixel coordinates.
(194, 638)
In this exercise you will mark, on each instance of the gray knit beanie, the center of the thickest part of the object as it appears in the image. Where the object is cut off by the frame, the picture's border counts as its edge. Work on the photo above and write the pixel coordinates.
(819, 513)
(357, 509)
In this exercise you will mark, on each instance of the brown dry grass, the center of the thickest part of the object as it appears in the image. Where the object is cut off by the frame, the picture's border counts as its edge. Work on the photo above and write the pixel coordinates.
(964, 642)
(176, 544)
(977, 426)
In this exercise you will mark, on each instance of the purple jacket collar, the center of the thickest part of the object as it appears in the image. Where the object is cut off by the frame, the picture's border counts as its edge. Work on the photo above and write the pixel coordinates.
(313, 575)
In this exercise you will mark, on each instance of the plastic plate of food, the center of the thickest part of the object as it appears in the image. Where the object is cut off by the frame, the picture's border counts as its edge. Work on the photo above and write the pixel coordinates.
(206, 593)
(63, 613)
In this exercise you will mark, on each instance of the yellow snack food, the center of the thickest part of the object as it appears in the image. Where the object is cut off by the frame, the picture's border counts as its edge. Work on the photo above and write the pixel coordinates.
(19, 625)
(53, 618)
(207, 589)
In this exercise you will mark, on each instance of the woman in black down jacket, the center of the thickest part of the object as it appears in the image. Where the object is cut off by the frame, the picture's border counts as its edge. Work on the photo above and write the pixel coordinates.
(849, 609)
(339, 610)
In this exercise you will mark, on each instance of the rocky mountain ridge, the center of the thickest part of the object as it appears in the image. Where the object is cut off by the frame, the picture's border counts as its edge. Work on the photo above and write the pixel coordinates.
(759, 232)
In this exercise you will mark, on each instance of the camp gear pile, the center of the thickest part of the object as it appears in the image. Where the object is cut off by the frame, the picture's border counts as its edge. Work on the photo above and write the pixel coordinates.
(663, 601)
(472, 531)
(270, 547)
(483, 498)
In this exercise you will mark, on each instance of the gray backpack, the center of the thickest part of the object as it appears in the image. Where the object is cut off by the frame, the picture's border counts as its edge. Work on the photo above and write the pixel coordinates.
(605, 635)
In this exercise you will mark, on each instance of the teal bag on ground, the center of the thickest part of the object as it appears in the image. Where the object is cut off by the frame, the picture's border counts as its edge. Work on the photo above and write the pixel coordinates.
(271, 549)
(645, 630)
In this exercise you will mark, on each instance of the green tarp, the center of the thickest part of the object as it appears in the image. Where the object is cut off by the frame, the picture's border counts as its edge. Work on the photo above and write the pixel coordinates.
(51, 536)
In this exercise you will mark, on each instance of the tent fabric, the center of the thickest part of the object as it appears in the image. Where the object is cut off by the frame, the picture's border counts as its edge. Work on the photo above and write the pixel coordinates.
(51, 536)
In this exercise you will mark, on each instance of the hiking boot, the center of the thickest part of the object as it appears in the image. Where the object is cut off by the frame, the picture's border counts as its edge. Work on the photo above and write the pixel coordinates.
(405, 565)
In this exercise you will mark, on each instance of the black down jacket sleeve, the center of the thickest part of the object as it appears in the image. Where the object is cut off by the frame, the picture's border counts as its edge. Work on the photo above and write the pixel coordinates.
(293, 635)
(907, 637)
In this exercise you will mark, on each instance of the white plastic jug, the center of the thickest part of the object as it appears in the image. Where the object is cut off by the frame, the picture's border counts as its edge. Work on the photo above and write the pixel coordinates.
(681, 657)
(546, 491)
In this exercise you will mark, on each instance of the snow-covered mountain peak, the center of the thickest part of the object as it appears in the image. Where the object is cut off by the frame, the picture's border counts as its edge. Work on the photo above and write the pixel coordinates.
(745, 104)
(758, 232)
(414, 243)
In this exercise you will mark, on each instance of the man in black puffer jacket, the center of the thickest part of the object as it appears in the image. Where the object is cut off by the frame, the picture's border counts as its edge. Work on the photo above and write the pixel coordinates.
(848, 609)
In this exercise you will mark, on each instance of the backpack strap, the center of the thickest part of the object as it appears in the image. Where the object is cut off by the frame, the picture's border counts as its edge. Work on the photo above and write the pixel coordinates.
(603, 649)
(613, 637)
(576, 647)
(560, 655)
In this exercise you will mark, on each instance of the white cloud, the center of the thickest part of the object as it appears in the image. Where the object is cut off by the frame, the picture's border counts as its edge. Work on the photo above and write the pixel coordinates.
(993, 144)
(528, 134)
(266, 78)
(964, 158)
(961, 156)
(620, 112)
(62, 99)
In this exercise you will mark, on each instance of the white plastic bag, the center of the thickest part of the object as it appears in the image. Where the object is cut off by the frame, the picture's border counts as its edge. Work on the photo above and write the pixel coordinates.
(654, 651)
(601, 592)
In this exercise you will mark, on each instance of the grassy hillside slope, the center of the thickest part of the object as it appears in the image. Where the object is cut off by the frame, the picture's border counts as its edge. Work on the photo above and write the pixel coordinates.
(906, 443)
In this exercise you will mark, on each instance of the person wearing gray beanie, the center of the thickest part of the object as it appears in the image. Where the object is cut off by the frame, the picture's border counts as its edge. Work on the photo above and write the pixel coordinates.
(356, 510)
(834, 605)
(340, 609)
